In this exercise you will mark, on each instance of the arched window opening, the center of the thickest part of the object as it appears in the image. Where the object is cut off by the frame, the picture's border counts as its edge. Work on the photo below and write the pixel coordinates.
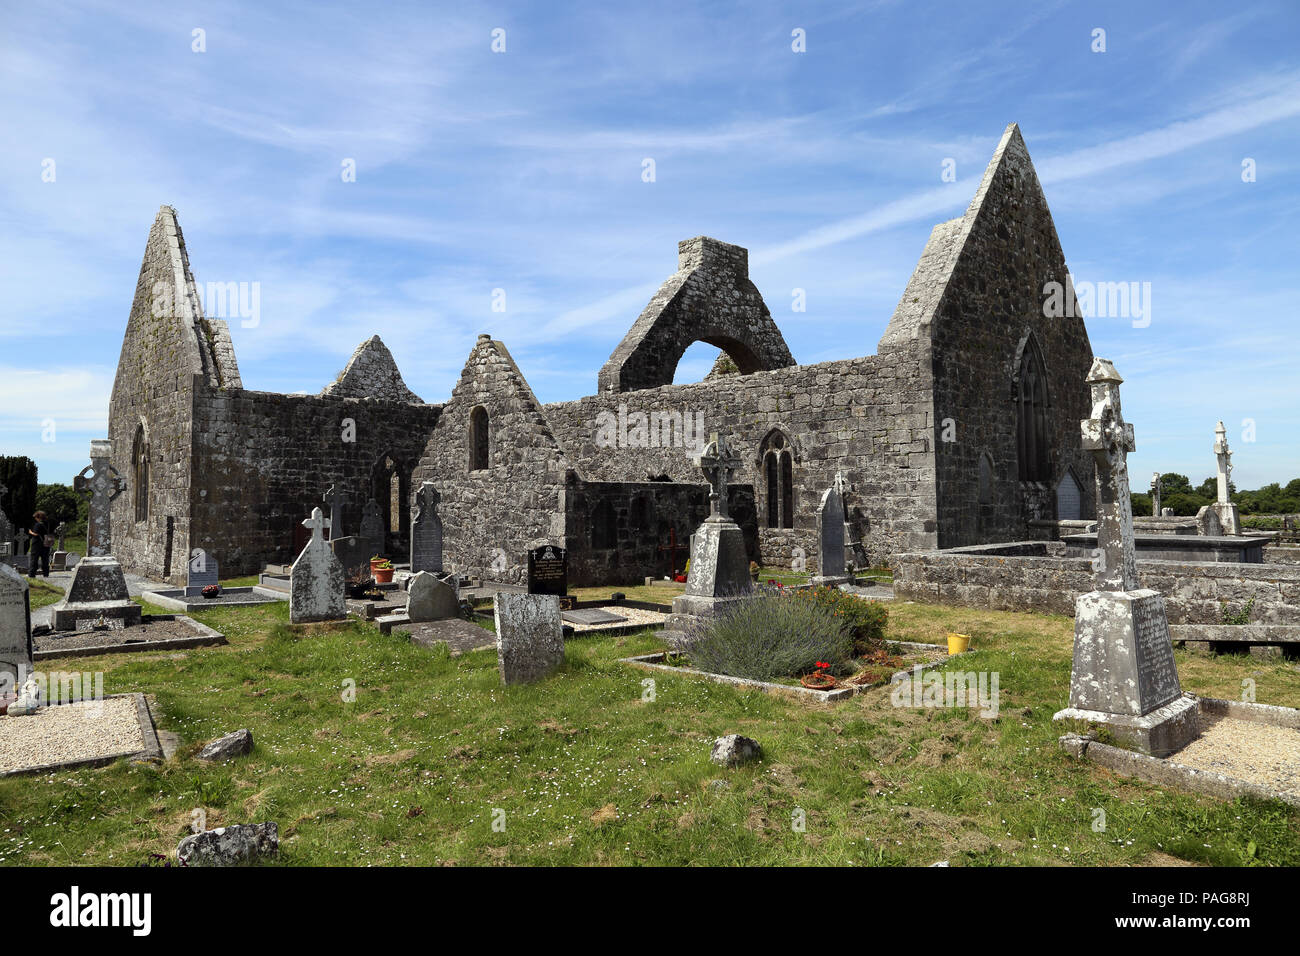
(478, 439)
(1032, 434)
(140, 474)
(604, 527)
(778, 476)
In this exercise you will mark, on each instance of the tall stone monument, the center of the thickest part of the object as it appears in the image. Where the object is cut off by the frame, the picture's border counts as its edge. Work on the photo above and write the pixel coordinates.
(426, 530)
(830, 537)
(98, 588)
(1123, 677)
(1229, 520)
(719, 566)
(372, 526)
(15, 631)
(1156, 488)
(316, 578)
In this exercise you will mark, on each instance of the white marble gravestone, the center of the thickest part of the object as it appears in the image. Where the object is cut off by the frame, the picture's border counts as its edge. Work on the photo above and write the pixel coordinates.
(1123, 677)
(316, 578)
(530, 637)
(15, 631)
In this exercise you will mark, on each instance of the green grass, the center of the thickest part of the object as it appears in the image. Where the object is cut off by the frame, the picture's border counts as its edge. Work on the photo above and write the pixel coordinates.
(587, 772)
(43, 594)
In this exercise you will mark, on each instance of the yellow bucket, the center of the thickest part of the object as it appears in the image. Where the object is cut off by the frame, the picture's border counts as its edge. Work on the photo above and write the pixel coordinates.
(958, 643)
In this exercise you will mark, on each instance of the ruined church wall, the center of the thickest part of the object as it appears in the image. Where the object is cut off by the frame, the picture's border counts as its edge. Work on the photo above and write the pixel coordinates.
(491, 517)
(158, 371)
(993, 300)
(867, 417)
(263, 460)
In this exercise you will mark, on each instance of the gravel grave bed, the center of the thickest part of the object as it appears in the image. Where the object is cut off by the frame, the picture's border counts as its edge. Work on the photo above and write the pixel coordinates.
(88, 730)
(149, 631)
(635, 616)
(1257, 753)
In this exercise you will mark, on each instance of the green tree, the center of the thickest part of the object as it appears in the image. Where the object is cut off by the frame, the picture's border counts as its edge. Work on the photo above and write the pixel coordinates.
(61, 503)
(18, 475)
(1174, 484)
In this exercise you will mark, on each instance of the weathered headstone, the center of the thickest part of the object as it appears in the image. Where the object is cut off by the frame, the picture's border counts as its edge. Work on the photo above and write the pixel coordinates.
(316, 578)
(1229, 520)
(15, 630)
(98, 587)
(202, 572)
(1123, 676)
(830, 538)
(429, 598)
(548, 570)
(1156, 488)
(530, 638)
(372, 526)
(719, 565)
(426, 530)
(334, 505)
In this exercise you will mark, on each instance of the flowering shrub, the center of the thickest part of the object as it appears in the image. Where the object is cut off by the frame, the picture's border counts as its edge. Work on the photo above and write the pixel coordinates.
(865, 619)
(773, 634)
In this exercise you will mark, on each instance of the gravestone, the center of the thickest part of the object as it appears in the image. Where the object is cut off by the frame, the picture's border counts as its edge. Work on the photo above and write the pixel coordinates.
(1229, 519)
(202, 571)
(530, 638)
(548, 570)
(316, 578)
(1123, 676)
(1156, 489)
(354, 554)
(429, 598)
(6, 526)
(334, 505)
(426, 530)
(98, 587)
(372, 526)
(830, 538)
(719, 565)
(15, 630)
(1207, 522)
(61, 530)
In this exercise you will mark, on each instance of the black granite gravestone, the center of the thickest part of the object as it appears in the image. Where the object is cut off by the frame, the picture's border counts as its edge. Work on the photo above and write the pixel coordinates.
(548, 570)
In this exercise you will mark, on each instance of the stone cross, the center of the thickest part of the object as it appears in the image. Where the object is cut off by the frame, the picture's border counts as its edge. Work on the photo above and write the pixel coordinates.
(1110, 439)
(106, 485)
(334, 501)
(1156, 489)
(1224, 457)
(318, 523)
(717, 458)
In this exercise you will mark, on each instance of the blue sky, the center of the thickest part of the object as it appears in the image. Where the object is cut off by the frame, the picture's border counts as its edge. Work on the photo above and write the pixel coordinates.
(522, 171)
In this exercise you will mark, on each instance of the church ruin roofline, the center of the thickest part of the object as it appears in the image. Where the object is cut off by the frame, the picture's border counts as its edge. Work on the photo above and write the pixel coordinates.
(371, 373)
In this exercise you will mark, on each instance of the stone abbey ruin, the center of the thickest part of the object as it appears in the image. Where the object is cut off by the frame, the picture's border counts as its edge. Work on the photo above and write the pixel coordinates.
(960, 430)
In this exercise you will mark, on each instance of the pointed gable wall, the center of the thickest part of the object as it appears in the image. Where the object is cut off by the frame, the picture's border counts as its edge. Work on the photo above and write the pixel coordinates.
(371, 373)
(492, 516)
(984, 302)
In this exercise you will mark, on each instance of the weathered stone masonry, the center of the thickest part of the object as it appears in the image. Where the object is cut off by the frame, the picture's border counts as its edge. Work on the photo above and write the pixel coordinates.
(960, 430)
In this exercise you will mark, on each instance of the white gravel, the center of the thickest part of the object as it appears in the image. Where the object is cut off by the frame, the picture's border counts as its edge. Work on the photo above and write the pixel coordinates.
(70, 732)
(1250, 751)
(634, 616)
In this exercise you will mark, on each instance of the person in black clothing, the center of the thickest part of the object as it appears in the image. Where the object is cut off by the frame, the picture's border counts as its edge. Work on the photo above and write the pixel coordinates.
(39, 555)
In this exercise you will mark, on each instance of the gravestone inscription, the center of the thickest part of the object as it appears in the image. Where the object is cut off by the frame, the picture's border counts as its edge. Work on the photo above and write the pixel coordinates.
(530, 637)
(548, 570)
(203, 572)
(426, 530)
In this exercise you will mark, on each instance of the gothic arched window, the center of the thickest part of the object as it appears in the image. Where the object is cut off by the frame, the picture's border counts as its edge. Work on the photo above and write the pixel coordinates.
(140, 473)
(478, 439)
(1032, 435)
(778, 476)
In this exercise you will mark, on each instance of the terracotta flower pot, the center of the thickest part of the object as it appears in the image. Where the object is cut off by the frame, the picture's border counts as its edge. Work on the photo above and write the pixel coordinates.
(819, 681)
(382, 575)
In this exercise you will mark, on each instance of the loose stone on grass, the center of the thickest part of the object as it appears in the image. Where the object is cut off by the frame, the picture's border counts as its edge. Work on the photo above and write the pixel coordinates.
(734, 750)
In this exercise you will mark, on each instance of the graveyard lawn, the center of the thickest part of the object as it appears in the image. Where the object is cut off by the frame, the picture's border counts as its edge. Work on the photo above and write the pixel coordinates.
(580, 769)
(43, 594)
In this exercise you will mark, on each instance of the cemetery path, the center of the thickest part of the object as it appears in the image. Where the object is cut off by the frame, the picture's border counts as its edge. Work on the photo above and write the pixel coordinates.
(135, 586)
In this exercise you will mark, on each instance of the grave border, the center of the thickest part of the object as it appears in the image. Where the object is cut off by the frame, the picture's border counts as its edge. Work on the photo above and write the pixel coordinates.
(152, 749)
(205, 637)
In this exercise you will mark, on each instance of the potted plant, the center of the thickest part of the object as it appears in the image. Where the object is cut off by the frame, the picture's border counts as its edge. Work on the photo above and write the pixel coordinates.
(821, 678)
(382, 569)
(211, 591)
(357, 588)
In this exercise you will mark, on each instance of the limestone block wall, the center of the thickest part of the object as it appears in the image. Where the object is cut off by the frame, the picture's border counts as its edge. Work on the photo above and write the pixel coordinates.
(642, 514)
(1025, 576)
(868, 417)
(263, 460)
(492, 516)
